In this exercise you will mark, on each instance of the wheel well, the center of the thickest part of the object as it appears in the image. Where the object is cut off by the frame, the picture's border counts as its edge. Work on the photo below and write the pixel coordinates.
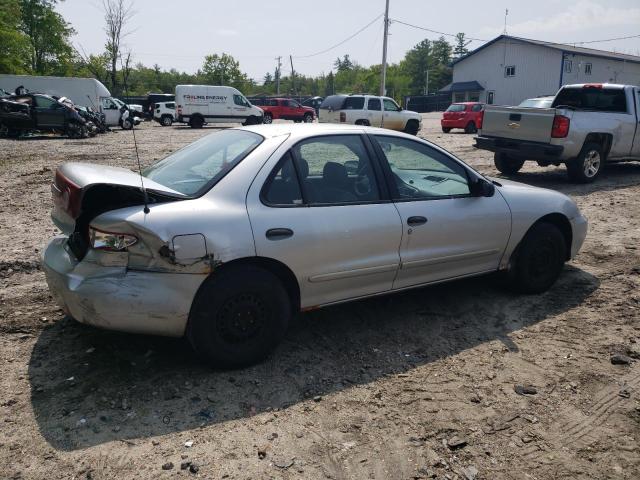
(603, 139)
(279, 269)
(563, 224)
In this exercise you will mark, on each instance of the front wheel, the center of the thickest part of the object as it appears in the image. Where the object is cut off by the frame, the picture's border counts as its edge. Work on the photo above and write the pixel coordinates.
(308, 118)
(77, 130)
(268, 118)
(588, 165)
(238, 317)
(166, 121)
(538, 261)
(412, 127)
(507, 165)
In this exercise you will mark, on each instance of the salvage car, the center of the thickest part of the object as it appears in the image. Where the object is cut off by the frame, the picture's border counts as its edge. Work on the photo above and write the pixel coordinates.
(465, 115)
(235, 233)
(41, 113)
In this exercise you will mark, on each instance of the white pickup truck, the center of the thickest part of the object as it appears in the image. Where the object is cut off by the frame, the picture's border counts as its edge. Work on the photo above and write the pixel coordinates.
(586, 126)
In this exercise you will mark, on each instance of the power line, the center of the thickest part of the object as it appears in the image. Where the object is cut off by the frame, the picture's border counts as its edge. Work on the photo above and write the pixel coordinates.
(342, 42)
(435, 31)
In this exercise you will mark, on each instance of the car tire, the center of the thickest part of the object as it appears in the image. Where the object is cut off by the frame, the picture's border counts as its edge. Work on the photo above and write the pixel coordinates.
(412, 127)
(446, 129)
(238, 317)
(268, 118)
(538, 261)
(471, 128)
(127, 124)
(506, 164)
(76, 130)
(196, 122)
(364, 123)
(308, 118)
(588, 165)
(166, 121)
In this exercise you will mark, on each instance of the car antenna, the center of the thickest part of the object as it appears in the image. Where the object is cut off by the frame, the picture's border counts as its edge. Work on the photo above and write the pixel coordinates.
(133, 131)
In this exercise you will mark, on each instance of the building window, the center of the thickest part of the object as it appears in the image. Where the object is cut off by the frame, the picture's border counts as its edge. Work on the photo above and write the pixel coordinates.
(568, 65)
(587, 69)
(510, 71)
(474, 96)
(458, 97)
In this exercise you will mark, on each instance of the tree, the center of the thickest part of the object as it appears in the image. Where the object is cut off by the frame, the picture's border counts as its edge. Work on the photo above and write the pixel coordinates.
(117, 14)
(268, 79)
(223, 70)
(14, 44)
(330, 88)
(48, 34)
(461, 45)
(344, 64)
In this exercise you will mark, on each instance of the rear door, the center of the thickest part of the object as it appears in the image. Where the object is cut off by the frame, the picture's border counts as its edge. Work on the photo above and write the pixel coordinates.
(374, 111)
(447, 232)
(49, 113)
(319, 208)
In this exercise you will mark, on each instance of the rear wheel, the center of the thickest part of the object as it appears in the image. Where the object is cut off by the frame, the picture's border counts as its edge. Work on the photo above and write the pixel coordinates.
(196, 122)
(588, 165)
(268, 118)
(506, 164)
(538, 260)
(308, 118)
(363, 122)
(446, 129)
(470, 128)
(412, 127)
(166, 121)
(238, 317)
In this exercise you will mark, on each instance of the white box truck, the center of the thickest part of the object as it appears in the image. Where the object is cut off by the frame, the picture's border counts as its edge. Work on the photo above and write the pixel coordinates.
(87, 92)
(200, 104)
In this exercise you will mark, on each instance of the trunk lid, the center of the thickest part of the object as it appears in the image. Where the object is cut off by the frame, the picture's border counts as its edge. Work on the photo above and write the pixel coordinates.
(531, 124)
(81, 191)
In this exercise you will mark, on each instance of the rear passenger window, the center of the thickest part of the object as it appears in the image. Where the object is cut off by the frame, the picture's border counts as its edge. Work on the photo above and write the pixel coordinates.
(282, 187)
(335, 170)
(374, 104)
(476, 108)
(353, 103)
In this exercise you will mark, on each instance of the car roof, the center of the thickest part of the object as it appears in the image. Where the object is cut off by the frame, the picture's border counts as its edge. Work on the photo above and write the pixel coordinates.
(304, 130)
(467, 103)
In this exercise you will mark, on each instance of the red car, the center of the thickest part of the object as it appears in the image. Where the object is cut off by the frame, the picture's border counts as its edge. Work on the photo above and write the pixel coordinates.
(286, 109)
(465, 115)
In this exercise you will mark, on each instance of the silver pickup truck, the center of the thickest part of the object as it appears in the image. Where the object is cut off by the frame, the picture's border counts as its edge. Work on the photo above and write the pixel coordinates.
(586, 126)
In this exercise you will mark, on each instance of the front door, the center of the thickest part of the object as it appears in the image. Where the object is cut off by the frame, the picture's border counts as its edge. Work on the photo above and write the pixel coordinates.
(111, 111)
(448, 232)
(49, 113)
(374, 111)
(393, 119)
(319, 208)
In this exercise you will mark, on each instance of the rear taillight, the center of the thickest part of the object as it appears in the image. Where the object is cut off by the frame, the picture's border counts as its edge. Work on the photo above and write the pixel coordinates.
(480, 119)
(343, 117)
(111, 241)
(67, 195)
(560, 127)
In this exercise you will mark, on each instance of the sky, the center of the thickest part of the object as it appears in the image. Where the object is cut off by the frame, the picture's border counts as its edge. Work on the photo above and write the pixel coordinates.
(178, 34)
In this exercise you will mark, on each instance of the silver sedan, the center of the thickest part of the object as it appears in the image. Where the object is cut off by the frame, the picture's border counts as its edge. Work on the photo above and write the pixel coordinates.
(235, 233)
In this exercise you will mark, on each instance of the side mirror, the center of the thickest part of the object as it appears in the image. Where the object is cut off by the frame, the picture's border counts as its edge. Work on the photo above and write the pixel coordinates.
(479, 187)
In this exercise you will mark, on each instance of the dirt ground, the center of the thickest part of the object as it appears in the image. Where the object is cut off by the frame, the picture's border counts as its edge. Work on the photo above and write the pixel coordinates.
(414, 385)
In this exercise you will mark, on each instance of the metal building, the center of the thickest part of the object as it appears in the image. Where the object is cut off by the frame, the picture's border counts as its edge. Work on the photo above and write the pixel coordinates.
(509, 69)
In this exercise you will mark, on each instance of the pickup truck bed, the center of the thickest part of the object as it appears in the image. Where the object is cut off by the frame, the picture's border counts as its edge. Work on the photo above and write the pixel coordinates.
(586, 126)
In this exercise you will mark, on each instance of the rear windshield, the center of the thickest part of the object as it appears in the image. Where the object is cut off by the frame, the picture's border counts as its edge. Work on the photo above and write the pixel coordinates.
(537, 103)
(333, 102)
(596, 99)
(456, 107)
(196, 168)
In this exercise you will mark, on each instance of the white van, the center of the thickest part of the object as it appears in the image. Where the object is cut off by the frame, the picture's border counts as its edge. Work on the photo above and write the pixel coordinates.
(200, 104)
(86, 92)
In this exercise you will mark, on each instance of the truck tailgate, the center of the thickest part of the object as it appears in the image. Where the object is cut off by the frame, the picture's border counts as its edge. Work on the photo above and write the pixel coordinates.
(530, 124)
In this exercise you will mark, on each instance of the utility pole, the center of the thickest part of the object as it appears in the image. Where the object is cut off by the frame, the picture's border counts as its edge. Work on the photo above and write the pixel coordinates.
(426, 88)
(293, 76)
(279, 59)
(383, 79)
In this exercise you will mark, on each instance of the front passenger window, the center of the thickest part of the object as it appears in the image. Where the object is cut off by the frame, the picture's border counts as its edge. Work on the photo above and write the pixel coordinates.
(422, 172)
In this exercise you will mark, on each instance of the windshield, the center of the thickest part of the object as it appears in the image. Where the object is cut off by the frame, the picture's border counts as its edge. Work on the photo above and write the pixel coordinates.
(197, 167)
(456, 107)
(537, 103)
(119, 103)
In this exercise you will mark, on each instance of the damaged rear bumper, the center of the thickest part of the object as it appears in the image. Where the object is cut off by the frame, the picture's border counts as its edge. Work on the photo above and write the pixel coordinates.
(117, 298)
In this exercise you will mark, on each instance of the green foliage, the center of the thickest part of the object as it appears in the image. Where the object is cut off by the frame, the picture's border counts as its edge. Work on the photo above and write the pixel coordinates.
(14, 44)
(50, 51)
(461, 45)
(223, 70)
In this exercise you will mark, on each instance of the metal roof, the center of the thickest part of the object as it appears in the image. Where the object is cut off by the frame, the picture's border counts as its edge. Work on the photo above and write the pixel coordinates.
(591, 52)
(462, 87)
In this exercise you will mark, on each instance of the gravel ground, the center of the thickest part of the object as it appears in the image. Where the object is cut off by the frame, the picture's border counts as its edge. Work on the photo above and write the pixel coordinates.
(415, 385)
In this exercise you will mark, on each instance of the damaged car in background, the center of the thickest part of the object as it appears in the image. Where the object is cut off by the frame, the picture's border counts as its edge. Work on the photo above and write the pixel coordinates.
(34, 112)
(234, 234)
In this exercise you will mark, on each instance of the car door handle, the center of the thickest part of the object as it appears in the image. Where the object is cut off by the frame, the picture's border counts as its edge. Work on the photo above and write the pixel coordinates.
(415, 221)
(279, 233)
